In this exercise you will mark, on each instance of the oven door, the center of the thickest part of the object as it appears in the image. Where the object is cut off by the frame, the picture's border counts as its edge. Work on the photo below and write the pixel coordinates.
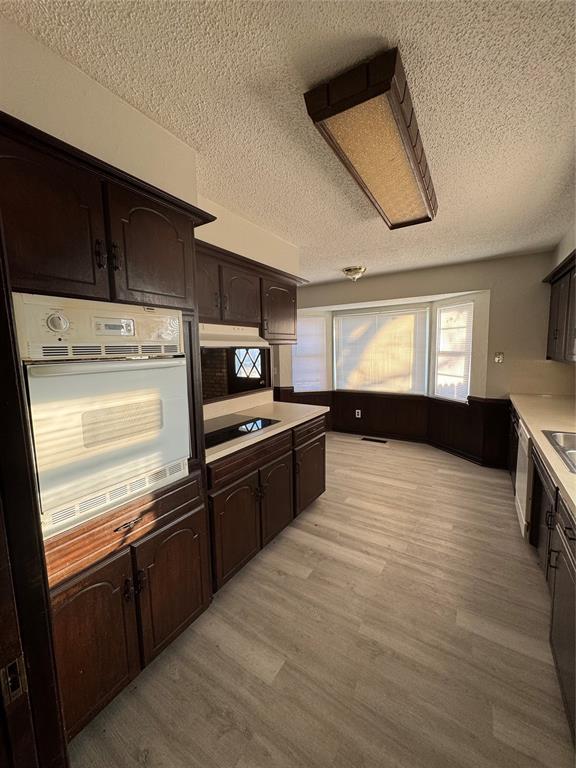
(106, 432)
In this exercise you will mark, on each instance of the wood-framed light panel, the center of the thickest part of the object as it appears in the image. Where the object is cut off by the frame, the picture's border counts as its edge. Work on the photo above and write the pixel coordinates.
(382, 76)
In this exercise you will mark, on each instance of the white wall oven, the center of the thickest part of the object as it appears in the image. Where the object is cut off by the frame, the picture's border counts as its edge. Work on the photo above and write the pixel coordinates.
(107, 389)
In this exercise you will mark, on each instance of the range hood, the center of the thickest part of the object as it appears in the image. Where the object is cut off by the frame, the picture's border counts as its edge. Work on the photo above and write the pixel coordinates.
(212, 335)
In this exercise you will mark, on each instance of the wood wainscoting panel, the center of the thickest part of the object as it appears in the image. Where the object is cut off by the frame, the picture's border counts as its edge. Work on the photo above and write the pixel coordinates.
(476, 430)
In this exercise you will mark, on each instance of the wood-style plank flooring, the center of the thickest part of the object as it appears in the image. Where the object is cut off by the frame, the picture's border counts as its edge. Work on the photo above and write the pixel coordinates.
(400, 622)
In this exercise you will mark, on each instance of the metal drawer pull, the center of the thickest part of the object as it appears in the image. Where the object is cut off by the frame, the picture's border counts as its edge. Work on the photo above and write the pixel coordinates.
(127, 526)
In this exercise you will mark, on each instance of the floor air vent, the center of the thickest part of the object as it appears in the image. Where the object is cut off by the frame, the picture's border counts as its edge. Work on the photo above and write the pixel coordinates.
(374, 439)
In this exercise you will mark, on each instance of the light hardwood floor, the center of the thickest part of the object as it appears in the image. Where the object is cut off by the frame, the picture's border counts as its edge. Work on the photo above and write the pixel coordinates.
(400, 622)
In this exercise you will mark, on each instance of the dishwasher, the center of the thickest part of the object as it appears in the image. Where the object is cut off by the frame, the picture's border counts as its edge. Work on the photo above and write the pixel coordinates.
(524, 468)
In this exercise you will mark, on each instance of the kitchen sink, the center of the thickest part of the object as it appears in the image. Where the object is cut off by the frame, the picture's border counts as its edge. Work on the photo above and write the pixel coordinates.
(564, 444)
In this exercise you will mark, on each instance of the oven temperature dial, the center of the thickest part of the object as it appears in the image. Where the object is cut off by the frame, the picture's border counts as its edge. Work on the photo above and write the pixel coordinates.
(57, 322)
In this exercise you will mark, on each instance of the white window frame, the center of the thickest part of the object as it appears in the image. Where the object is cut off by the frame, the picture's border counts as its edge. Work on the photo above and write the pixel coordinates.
(437, 306)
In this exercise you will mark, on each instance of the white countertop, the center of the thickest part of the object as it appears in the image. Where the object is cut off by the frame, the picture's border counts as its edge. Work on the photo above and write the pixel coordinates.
(288, 415)
(550, 412)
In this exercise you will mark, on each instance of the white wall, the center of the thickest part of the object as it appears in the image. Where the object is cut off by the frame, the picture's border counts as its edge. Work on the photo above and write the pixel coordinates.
(237, 234)
(518, 323)
(41, 88)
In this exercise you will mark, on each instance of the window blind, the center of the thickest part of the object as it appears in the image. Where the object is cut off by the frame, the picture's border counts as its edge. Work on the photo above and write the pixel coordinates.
(309, 363)
(453, 351)
(382, 351)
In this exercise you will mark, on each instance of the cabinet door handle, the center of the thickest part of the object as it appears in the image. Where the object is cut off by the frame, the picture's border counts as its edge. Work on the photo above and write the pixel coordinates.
(226, 302)
(569, 531)
(101, 256)
(297, 467)
(550, 520)
(140, 581)
(555, 552)
(128, 590)
(265, 324)
(216, 299)
(116, 265)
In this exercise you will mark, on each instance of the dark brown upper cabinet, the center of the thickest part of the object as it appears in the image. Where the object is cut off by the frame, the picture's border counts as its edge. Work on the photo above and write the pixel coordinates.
(233, 289)
(172, 580)
(95, 638)
(240, 295)
(53, 223)
(208, 288)
(562, 319)
(61, 237)
(570, 353)
(151, 253)
(279, 311)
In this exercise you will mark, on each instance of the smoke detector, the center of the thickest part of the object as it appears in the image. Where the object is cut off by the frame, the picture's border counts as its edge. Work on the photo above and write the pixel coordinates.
(354, 273)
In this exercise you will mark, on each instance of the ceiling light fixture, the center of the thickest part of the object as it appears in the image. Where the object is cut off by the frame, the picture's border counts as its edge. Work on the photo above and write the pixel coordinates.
(366, 116)
(354, 273)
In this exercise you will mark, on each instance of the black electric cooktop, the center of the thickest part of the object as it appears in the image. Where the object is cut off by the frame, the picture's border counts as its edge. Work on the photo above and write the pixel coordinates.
(245, 427)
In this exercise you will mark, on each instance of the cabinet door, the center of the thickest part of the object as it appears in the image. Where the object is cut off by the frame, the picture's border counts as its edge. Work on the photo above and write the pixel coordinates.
(208, 288)
(236, 526)
(95, 638)
(279, 311)
(513, 447)
(150, 250)
(570, 352)
(172, 580)
(559, 295)
(310, 466)
(53, 224)
(562, 635)
(541, 516)
(240, 295)
(277, 501)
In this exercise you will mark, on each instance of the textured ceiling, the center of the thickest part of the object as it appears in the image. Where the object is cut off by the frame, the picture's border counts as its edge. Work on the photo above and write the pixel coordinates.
(492, 84)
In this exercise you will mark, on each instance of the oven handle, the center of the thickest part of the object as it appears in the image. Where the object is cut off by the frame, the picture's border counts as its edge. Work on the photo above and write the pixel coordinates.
(112, 366)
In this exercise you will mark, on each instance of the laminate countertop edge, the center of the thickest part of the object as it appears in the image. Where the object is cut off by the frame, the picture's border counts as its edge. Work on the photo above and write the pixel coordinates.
(553, 413)
(288, 415)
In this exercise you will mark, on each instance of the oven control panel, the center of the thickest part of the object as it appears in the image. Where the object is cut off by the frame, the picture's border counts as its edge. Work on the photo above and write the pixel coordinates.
(49, 327)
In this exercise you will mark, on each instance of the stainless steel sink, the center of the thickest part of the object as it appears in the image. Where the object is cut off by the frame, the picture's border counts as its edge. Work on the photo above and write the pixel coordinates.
(564, 443)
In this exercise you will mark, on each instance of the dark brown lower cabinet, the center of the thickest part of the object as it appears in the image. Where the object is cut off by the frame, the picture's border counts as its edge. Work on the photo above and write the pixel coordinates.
(277, 497)
(236, 521)
(310, 472)
(562, 633)
(148, 592)
(95, 638)
(542, 512)
(172, 581)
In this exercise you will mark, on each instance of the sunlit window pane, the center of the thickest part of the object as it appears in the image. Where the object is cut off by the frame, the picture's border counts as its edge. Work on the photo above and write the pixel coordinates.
(309, 363)
(385, 351)
(248, 363)
(454, 351)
